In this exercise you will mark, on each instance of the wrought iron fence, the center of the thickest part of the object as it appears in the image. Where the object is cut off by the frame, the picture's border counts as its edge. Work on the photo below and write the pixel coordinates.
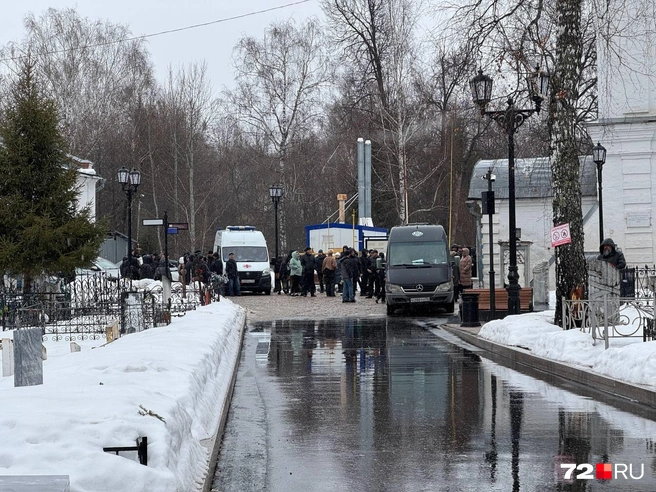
(84, 308)
(638, 281)
(611, 317)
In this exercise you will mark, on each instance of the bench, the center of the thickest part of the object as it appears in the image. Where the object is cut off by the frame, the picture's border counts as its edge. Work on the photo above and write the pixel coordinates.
(501, 299)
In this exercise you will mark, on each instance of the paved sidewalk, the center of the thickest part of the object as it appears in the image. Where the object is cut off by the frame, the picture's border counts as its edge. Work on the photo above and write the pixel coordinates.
(522, 357)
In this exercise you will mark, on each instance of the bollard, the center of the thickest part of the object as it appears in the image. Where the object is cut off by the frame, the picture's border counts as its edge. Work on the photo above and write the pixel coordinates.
(469, 310)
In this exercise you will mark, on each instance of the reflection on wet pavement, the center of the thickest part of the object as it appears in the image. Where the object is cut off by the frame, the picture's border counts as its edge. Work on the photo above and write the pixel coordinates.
(369, 406)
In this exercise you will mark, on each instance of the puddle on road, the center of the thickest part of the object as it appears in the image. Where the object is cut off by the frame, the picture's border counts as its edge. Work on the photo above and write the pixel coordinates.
(383, 404)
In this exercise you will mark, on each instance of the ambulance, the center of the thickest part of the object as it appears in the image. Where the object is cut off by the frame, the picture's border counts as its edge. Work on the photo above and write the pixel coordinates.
(251, 254)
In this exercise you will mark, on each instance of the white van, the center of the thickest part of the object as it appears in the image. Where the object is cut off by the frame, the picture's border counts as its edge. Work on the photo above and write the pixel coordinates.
(251, 255)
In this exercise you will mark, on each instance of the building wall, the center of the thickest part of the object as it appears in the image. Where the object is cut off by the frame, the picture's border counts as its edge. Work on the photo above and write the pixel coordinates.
(626, 59)
(534, 218)
(629, 184)
(86, 186)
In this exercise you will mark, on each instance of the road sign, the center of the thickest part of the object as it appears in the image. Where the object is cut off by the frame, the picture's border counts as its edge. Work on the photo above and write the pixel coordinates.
(182, 226)
(560, 235)
(152, 222)
(172, 230)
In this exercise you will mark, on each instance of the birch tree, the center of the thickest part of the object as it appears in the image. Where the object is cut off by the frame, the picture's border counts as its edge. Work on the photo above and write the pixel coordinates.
(377, 39)
(571, 268)
(279, 81)
(192, 108)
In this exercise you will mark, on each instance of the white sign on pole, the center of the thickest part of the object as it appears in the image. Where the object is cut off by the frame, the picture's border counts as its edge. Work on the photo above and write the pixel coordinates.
(560, 235)
(152, 222)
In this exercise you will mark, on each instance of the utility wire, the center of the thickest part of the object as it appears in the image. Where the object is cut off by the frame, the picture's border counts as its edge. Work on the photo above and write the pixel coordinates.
(169, 31)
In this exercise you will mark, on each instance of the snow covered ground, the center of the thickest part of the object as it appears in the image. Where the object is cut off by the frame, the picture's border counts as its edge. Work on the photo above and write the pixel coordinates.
(165, 383)
(627, 359)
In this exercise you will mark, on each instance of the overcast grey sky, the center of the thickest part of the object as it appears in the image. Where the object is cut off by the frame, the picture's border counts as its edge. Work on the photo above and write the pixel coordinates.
(211, 43)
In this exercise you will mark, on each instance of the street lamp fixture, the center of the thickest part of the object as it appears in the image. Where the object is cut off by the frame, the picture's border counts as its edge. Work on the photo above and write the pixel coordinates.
(599, 158)
(276, 192)
(130, 181)
(510, 120)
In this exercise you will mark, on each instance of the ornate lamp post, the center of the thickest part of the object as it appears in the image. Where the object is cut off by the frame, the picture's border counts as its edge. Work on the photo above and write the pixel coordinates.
(130, 181)
(599, 158)
(276, 192)
(510, 120)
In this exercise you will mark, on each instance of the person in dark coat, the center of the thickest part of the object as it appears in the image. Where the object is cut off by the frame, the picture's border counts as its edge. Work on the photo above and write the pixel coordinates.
(349, 267)
(363, 273)
(233, 276)
(162, 270)
(318, 266)
(146, 270)
(284, 273)
(189, 266)
(307, 262)
(217, 264)
(608, 252)
(125, 267)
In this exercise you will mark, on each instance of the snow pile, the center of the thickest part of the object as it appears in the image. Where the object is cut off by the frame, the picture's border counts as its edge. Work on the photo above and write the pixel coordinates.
(628, 359)
(520, 331)
(635, 363)
(165, 383)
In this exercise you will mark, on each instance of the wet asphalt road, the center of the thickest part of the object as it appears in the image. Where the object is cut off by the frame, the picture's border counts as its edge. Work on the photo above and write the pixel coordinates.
(390, 404)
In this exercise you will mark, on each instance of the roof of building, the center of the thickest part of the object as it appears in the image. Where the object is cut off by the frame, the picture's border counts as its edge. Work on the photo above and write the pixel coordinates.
(532, 177)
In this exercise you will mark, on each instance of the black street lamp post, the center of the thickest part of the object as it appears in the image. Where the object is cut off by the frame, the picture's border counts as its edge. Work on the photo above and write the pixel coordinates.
(510, 120)
(599, 158)
(276, 192)
(130, 181)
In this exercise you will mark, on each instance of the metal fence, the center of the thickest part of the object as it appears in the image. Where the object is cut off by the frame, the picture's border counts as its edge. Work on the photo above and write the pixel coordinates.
(611, 318)
(85, 307)
(637, 281)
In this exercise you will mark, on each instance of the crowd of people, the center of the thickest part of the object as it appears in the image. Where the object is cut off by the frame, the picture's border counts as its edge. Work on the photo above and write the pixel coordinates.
(342, 272)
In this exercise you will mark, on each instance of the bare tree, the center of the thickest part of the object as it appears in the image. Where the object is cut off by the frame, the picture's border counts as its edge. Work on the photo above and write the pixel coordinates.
(192, 109)
(89, 68)
(279, 81)
(377, 39)
(96, 76)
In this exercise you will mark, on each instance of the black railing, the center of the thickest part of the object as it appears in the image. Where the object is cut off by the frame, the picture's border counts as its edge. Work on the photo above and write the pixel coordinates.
(84, 308)
(637, 281)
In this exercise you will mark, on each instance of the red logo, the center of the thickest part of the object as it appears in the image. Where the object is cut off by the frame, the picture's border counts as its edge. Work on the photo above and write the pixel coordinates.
(247, 265)
(604, 471)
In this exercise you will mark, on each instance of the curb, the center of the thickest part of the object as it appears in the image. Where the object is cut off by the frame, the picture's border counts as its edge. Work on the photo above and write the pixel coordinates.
(217, 438)
(605, 384)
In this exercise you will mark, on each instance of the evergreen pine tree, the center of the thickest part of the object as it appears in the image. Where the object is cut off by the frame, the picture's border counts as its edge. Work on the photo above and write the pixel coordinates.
(41, 230)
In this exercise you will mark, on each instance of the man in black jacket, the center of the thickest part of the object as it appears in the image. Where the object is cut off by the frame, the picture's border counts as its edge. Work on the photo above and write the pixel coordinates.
(233, 276)
(608, 252)
(318, 266)
(307, 275)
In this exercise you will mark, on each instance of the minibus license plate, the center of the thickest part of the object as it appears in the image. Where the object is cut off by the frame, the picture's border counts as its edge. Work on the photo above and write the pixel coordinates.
(420, 299)
(248, 281)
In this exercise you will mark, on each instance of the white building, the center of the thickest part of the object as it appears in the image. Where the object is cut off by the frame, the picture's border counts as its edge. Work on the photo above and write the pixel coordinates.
(534, 217)
(626, 126)
(88, 182)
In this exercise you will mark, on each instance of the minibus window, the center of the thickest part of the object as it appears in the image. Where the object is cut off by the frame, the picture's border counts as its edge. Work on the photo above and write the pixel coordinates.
(417, 253)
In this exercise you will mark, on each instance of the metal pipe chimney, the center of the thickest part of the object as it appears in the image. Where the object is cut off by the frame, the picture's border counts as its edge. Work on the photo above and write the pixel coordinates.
(367, 181)
(361, 179)
(341, 200)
